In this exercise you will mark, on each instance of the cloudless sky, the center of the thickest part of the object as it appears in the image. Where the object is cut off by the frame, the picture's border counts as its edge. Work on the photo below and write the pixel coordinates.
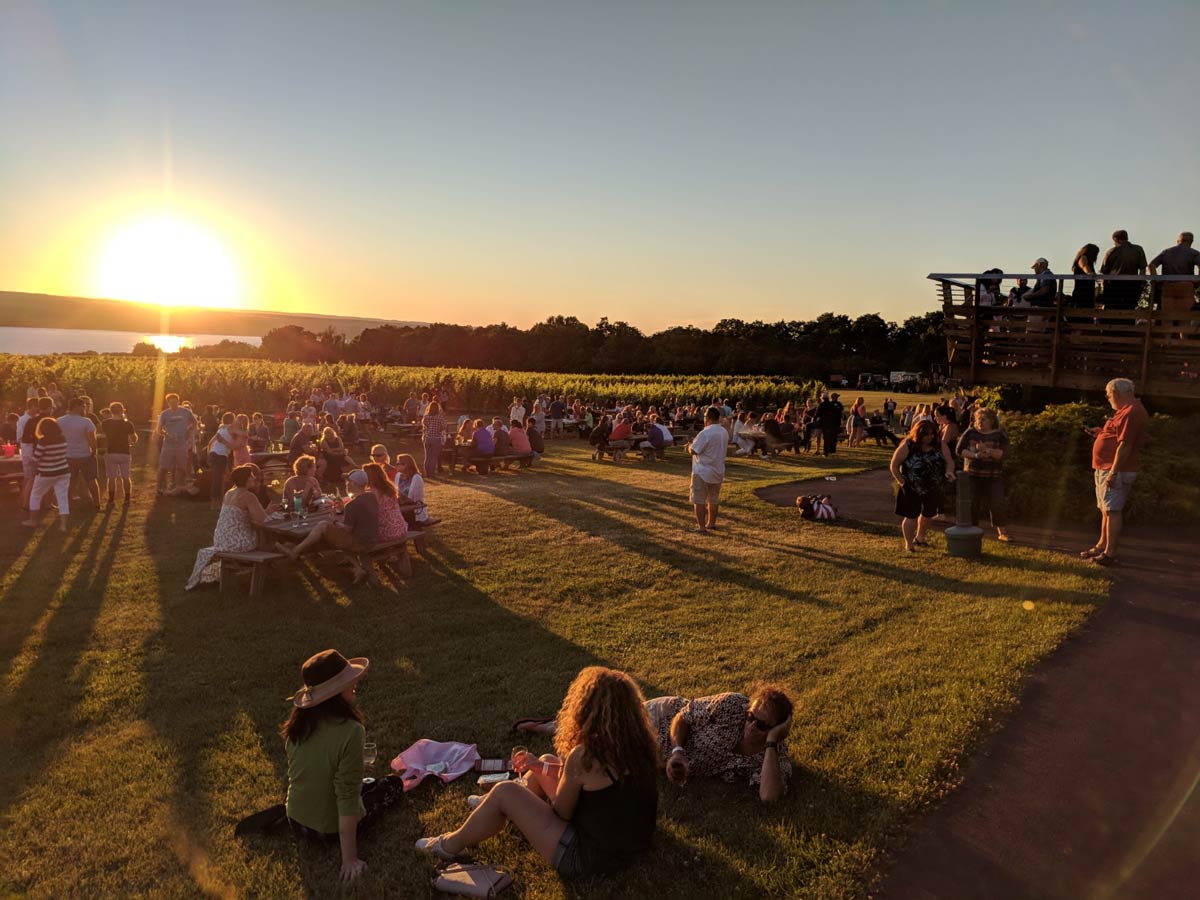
(660, 163)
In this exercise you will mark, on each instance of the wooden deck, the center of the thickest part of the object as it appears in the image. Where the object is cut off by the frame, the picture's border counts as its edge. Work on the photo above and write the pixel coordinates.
(1064, 347)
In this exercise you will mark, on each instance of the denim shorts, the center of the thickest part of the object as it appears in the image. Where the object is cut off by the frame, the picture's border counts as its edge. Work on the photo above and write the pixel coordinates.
(1111, 497)
(567, 860)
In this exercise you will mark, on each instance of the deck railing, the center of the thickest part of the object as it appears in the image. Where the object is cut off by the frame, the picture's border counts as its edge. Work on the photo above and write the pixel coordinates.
(1062, 345)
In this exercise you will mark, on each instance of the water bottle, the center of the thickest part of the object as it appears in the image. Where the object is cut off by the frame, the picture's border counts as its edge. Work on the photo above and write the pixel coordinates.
(831, 478)
(299, 504)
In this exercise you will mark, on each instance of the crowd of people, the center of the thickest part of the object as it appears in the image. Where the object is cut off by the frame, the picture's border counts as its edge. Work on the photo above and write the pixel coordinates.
(1123, 258)
(587, 809)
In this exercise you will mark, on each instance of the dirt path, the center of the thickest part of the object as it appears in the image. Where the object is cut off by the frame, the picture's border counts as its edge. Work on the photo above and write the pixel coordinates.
(1090, 790)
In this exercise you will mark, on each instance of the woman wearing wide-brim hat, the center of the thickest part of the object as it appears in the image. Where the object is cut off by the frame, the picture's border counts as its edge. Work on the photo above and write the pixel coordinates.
(324, 738)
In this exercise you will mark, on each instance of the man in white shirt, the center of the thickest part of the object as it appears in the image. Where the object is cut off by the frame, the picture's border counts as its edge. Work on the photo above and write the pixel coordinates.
(516, 412)
(708, 451)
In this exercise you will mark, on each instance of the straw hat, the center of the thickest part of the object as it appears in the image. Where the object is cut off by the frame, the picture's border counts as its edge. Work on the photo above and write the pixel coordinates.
(327, 674)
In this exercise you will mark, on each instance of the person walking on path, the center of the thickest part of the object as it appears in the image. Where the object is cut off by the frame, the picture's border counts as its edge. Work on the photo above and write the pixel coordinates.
(708, 450)
(1115, 465)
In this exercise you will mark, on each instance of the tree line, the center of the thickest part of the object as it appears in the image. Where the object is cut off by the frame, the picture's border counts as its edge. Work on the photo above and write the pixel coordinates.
(830, 343)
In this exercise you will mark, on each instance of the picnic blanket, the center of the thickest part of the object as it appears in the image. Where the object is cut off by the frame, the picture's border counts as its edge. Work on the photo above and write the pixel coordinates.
(446, 760)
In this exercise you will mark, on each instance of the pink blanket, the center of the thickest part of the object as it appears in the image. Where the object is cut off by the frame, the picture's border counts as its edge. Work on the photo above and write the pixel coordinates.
(446, 760)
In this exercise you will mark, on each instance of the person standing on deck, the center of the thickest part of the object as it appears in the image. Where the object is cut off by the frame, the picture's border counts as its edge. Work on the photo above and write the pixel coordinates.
(1182, 259)
(1123, 258)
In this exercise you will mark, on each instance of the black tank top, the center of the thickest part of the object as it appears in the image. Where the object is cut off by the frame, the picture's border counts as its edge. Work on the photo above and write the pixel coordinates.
(615, 823)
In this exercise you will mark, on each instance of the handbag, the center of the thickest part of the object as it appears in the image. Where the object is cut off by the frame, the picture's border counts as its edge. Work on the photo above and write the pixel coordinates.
(472, 880)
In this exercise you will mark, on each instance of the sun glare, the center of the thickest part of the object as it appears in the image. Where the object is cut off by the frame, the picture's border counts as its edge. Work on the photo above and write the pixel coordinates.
(167, 261)
(168, 343)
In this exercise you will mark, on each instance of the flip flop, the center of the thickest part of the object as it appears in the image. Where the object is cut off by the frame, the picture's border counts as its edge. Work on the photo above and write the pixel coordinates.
(532, 720)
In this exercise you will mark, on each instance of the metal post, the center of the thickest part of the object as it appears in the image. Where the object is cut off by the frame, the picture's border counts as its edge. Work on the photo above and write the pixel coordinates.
(964, 539)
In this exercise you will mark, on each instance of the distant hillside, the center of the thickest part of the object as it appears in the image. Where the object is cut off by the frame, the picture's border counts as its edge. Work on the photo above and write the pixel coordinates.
(19, 310)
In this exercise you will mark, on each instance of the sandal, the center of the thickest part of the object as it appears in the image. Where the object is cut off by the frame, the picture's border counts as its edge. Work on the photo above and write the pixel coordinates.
(920, 543)
(433, 846)
(1091, 553)
(1105, 560)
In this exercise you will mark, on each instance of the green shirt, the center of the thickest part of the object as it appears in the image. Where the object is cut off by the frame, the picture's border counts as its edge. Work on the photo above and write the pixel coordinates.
(325, 775)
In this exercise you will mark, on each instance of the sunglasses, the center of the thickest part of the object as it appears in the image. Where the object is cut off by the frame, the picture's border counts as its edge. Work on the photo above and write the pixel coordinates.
(758, 723)
(378, 455)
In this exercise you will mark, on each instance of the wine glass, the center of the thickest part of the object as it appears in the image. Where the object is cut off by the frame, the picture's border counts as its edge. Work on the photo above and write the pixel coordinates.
(370, 752)
(517, 752)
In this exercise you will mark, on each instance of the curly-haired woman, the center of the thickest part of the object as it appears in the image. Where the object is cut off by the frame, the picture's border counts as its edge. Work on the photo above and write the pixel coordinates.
(592, 813)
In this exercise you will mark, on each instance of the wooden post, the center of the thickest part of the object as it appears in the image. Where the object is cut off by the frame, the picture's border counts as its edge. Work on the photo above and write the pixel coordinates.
(1146, 348)
(974, 332)
(1057, 332)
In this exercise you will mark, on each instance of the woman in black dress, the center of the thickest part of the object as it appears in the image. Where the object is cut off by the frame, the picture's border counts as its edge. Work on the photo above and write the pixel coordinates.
(920, 465)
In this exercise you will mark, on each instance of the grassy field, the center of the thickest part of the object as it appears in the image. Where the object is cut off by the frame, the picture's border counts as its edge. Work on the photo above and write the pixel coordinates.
(140, 720)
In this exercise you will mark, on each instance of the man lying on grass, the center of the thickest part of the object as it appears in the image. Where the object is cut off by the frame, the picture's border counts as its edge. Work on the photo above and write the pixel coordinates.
(729, 736)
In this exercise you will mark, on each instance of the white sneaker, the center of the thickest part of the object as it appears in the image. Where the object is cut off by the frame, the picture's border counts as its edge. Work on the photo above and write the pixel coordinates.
(474, 800)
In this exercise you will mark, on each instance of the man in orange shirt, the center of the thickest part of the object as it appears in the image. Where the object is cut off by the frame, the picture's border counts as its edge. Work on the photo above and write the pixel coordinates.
(1115, 464)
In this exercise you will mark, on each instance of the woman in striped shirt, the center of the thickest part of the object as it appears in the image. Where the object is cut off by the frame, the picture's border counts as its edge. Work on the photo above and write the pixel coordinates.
(53, 474)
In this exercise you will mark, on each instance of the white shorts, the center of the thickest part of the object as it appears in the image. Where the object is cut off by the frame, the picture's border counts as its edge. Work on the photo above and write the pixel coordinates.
(116, 465)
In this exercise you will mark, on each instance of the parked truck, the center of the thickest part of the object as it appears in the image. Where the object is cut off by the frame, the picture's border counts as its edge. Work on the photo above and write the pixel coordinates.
(905, 382)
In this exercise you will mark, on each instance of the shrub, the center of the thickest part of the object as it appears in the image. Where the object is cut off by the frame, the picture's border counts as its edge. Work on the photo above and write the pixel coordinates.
(1048, 473)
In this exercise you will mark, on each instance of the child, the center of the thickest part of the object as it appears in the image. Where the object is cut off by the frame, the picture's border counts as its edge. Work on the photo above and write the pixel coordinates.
(820, 509)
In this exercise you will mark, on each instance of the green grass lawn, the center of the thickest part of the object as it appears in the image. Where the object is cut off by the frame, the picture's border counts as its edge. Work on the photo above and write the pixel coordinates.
(140, 721)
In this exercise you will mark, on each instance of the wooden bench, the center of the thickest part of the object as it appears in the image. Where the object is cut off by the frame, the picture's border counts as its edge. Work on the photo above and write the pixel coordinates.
(393, 553)
(256, 562)
(484, 463)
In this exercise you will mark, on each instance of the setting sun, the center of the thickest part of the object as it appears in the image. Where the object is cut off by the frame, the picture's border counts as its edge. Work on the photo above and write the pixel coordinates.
(168, 261)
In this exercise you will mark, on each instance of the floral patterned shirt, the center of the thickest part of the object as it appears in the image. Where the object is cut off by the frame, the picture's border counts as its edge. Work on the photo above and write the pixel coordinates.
(716, 725)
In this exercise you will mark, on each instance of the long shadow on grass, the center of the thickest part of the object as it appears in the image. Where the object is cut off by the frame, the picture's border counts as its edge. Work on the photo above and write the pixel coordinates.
(448, 663)
(603, 515)
(929, 580)
(56, 659)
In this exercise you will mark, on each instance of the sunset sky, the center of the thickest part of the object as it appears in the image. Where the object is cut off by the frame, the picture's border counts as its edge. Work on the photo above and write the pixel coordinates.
(660, 163)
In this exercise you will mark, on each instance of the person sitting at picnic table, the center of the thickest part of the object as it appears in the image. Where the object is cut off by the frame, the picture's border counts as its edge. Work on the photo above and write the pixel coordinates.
(411, 487)
(259, 433)
(332, 457)
(483, 446)
(622, 429)
(355, 535)
(347, 429)
(302, 484)
(537, 440)
(730, 736)
(392, 525)
(518, 439)
(466, 429)
(500, 438)
(919, 466)
(380, 456)
(302, 443)
(240, 512)
(601, 792)
(323, 738)
(599, 437)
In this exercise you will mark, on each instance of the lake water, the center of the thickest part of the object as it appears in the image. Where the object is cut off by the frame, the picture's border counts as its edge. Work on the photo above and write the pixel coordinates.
(68, 340)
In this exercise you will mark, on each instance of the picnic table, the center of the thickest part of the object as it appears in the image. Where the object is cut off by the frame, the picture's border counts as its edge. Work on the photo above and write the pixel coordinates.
(10, 468)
